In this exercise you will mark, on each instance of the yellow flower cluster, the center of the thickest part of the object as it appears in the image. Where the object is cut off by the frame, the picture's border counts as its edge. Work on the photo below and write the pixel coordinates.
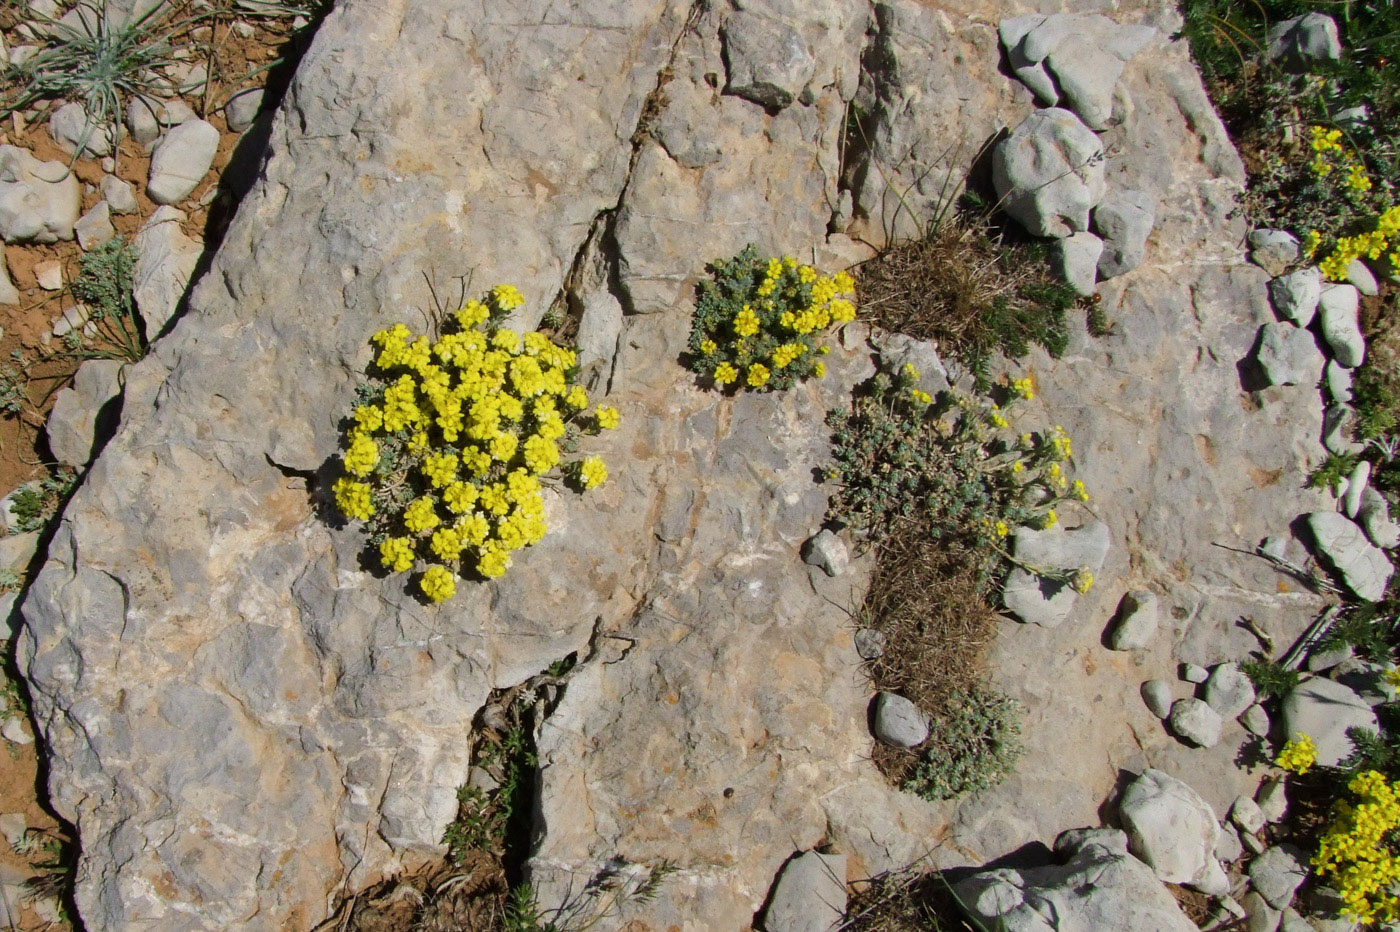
(754, 325)
(1371, 245)
(454, 441)
(1297, 756)
(1357, 850)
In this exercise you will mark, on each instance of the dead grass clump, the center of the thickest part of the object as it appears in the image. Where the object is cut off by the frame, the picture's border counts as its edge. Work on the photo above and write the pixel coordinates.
(928, 597)
(907, 901)
(968, 291)
(442, 897)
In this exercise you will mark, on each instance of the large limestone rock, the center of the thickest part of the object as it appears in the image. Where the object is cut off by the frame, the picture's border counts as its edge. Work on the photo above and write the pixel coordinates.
(245, 725)
(1170, 827)
(1101, 886)
(1049, 173)
(39, 201)
(1324, 710)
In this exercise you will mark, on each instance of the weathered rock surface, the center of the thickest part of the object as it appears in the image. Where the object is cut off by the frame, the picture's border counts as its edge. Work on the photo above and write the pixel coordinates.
(181, 161)
(1364, 568)
(1277, 873)
(1049, 173)
(809, 896)
(9, 294)
(1296, 294)
(39, 201)
(1229, 691)
(1273, 250)
(1169, 827)
(1075, 56)
(1041, 600)
(768, 62)
(1304, 39)
(1100, 887)
(1196, 721)
(73, 418)
(1124, 219)
(191, 590)
(898, 722)
(95, 227)
(165, 261)
(1289, 355)
(824, 549)
(242, 108)
(1323, 710)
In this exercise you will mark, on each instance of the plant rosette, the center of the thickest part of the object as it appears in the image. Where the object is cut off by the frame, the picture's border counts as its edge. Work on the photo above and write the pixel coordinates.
(757, 320)
(957, 460)
(453, 439)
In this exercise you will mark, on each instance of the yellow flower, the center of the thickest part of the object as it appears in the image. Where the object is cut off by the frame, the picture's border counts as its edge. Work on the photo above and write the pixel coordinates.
(473, 313)
(1024, 387)
(607, 418)
(396, 553)
(353, 499)
(459, 497)
(1082, 580)
(446, 543)
(421, 514)
(440, 469)
(708, 347)
(1049, 520)
(541, 455)
(758, 375)
(577, 398)
(369, 417)
(493, 561)
(1002, 529)
(725, 374)
(438, 584)
(1297, 756)
(503, 446)
(819, 370)
(1079, 492)
(592, 472)
(922, 397)
(746, 322)
(507, 297)
(361, 457)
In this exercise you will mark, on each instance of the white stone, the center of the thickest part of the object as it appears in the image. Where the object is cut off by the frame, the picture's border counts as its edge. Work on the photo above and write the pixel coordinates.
(14, 731)
(1077, 261)
(1124, 219)
(1195, 721)
(181, 161)
(1303, 39)
(1323, 710)
(70, 128)
(1277, 873)
(827, 551)
(1363, 567)
(1357, 484)
(1157, 696)
(898, 722)
(1360, 277)
(1137, 621)
(1194, 673)
(119, 195)
(39, 201)
(1338, 309)
(809, 895)
(1170, 827)
(49, 274)
(72, 421)
(1374, 518)
(1273, 250)
(1255, 720)
(141, 120)
(165, 260)
(242, 109)
(1049, 173)
(1272, 799)
(95, 227)
(1289, 355)
(1229, 691)
(1246, 815)
(1295, 295)
(1338, 380)
(9, 294)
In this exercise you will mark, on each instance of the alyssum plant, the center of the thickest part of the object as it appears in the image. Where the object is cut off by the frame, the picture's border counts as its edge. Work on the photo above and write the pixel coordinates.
(452, 437)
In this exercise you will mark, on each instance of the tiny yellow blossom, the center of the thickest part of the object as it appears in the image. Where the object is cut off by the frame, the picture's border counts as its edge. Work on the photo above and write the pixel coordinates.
(758, 375)
(1297, 756)
(438, 584)
(607, 418)
(396, 553)
(725, 374)
(592, 472)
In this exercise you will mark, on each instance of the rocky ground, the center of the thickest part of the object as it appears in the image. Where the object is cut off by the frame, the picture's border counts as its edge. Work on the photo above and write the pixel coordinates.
(246, 726)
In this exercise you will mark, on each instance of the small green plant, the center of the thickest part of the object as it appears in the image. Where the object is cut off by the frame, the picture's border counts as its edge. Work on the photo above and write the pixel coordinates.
(105, 286)
(756, 320)
(106, 57)
(451, 438)
(972, 746)
(10, 581)
(33, 504)
(1269, 678)
(1333, 470)
(955, 463)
